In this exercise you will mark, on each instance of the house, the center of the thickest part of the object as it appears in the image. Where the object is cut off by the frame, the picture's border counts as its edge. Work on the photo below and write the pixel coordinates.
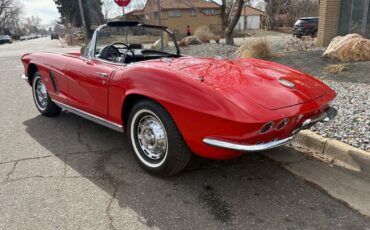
(135, 15)
(341, 17)
(251, 19)
(177, 14)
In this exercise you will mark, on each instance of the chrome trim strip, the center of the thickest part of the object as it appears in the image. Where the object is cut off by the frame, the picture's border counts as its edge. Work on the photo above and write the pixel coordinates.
(248, 148)
(24, 77)
(102, 75)
(91, 117)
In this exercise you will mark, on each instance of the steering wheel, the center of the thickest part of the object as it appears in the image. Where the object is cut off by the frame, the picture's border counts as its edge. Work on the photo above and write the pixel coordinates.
(125, 46)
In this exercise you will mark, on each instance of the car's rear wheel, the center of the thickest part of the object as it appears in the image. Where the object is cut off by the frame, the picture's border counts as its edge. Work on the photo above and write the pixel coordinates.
(155, 139)
(43, 102)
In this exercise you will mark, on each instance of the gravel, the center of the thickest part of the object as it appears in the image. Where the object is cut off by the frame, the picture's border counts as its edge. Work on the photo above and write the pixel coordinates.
(210, 50)
(352, 123)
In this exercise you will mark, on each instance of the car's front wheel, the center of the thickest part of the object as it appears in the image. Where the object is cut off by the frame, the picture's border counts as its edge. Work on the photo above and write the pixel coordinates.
(43, 102)
(155, 139)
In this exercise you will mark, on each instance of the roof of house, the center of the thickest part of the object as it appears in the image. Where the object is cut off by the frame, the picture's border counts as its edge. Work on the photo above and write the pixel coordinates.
(135, 13)
(250, 11)
(187, 4)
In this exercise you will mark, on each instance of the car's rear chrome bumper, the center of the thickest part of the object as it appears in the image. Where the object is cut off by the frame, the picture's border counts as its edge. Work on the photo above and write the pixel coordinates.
(247, 148)
(326, 116)
(24, 77)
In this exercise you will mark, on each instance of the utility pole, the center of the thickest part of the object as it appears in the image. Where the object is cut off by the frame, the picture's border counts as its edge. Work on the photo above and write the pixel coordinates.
(83, 20)
(123, 13)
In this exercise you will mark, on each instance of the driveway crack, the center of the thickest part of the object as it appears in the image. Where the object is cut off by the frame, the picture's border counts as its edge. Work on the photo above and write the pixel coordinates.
(108, 209)
(79, 137)
(107, 176)
(25, 159)
(11, 171)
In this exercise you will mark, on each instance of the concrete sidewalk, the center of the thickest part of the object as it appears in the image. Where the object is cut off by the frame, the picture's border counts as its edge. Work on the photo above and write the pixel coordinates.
(353, 188)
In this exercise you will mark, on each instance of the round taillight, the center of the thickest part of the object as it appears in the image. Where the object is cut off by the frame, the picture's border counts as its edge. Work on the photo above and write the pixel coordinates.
(266, 127)
(282, 124)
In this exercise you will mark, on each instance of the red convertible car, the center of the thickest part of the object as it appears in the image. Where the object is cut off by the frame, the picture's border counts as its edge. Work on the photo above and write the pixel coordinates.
(133, 78)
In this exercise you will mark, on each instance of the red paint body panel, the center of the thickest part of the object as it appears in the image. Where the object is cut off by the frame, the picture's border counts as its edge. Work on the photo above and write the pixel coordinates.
(207, 97)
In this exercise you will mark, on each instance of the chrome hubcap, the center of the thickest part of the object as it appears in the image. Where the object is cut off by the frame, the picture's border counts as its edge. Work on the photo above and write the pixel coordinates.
(152, 137)
(41, 94)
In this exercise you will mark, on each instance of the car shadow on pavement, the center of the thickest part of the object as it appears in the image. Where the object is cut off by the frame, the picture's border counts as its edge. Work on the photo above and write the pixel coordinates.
(247, 192)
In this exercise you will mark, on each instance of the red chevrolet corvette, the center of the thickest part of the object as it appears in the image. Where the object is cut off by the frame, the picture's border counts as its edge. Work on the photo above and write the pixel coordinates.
(132, 77)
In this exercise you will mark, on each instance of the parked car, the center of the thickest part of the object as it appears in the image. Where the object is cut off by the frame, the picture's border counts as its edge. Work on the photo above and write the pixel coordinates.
(170, 105)
(24, 37)
(54, 36)
(306, 27)
(5, 39)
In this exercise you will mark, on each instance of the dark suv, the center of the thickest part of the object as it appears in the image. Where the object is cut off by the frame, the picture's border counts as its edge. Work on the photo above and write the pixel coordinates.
(306, 26)
(54, 36)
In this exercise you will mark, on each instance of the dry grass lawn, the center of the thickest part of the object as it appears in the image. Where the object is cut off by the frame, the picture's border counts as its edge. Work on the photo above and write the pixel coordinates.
(336, 69)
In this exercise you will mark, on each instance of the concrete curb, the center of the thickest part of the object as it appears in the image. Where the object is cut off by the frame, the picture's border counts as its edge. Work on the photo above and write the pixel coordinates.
(334, 151)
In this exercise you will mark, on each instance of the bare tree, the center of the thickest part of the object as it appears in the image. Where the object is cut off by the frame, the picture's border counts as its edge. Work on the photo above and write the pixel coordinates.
(111, 10)
(273, 8)
(5, 8)
(293, 9)
(230, 14)
(9, 16)
(33, 24)
(259, 4)
(302, 8)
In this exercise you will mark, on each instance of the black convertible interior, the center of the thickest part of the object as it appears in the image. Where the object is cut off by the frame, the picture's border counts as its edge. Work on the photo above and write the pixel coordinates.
(122, 53)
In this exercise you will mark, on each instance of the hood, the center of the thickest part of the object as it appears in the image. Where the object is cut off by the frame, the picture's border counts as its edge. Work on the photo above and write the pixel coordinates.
(265, 83)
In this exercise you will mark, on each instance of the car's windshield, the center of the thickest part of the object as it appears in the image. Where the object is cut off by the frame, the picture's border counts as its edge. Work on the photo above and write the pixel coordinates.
(138, 38)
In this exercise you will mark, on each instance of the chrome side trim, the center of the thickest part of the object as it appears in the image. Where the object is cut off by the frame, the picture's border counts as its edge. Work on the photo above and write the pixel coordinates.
(247, 148)
(91, 117)
(24, 77)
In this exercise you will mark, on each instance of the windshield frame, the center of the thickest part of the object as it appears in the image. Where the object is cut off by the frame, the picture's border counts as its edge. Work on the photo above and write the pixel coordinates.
(90, 52)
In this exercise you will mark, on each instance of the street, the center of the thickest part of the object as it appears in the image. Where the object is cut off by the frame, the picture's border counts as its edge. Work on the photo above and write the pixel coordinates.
(70, 173)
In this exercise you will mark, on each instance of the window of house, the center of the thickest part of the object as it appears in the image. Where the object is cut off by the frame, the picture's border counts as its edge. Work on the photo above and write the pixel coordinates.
(155, 15)
(209, 12)
(193, 13)
(174, 13)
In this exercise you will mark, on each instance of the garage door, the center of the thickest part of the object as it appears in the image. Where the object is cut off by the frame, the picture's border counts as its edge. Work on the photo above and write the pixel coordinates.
(253, 22)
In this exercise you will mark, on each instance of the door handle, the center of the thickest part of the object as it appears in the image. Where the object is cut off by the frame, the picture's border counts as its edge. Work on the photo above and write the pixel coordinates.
(103, 75)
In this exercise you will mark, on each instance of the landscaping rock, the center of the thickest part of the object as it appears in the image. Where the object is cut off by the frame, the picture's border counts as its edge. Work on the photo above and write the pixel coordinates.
(191, 40)
(158, 44)
(205, 34)
(350, 48)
